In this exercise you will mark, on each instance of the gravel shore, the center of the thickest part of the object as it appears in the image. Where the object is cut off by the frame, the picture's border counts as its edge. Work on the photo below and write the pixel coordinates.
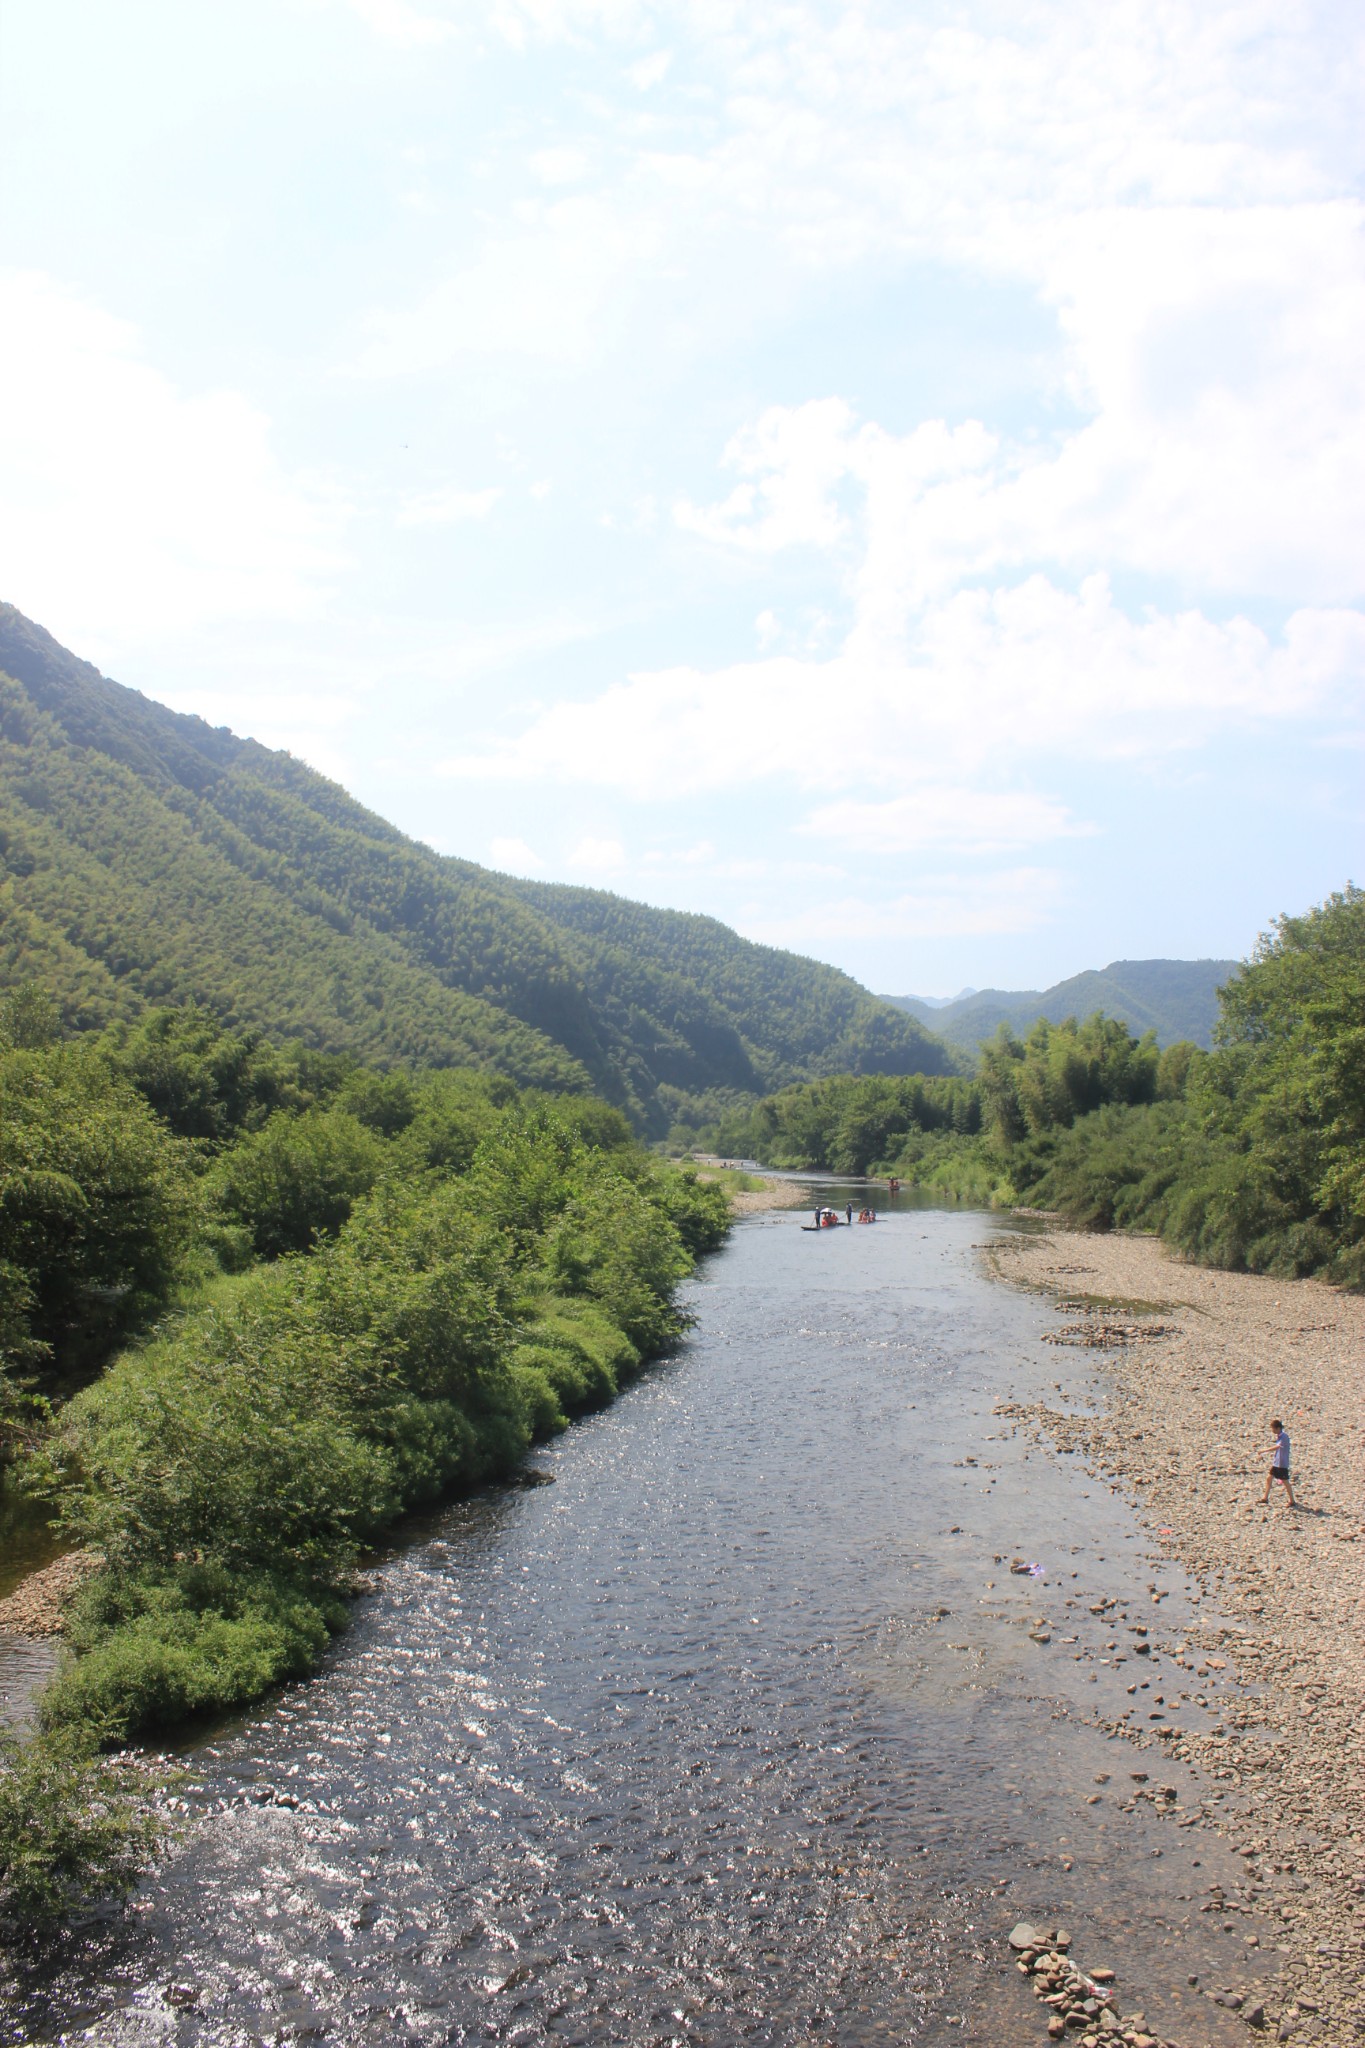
(35, 1607)
(774, 1194)
(1196, 1363)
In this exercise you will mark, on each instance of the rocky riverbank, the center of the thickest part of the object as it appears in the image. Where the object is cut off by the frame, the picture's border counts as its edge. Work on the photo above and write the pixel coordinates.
(1195, 1364)
(35, 1607)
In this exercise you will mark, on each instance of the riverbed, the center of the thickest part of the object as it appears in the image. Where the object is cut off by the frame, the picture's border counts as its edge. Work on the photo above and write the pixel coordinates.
(737, 1727)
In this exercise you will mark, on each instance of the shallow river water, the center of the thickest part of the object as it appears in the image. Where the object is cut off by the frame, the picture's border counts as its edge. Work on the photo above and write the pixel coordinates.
(735, 1732)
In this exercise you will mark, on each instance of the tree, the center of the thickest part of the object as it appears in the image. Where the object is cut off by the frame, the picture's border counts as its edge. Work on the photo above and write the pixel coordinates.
(97, 1206)
(297, 1178)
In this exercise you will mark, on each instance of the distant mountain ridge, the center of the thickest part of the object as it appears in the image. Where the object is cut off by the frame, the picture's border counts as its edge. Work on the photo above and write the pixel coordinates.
(932, 1002)
(1175, 998)
(147, 857)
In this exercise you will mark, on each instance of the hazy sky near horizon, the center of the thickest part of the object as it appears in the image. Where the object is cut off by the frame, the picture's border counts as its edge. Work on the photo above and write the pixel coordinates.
(889, 475)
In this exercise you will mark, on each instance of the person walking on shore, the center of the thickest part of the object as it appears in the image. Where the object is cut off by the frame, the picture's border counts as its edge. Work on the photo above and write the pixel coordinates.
(1279, 1463)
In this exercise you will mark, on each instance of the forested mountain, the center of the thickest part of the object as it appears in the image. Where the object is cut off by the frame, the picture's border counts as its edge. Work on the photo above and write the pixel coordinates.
(147, 857)
(1177, 999)
(748, 1010)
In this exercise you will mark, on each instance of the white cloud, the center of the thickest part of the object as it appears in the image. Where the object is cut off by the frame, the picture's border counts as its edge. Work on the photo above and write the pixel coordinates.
(514, 856)
(597, 856)
(1215, 351)
(701, 854)
(979, 821)
(1224, 448)
(445, 508)
(174, 505)
(1000, 902)
(1177, 185)
(399, 22)
(799, 454)
(650, 70)
(1032, 672)
(842, 135)
(566, 166)
(552, 284)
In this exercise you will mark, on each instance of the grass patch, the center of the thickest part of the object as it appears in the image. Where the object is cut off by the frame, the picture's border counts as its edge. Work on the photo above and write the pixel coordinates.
(1071, 1303)
(733, 1179)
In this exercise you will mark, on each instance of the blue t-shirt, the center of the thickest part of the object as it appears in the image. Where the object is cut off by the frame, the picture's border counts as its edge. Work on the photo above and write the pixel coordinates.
(1282, 1451)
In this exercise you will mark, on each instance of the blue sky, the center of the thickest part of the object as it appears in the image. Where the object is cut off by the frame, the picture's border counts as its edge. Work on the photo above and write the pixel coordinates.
(890, 476)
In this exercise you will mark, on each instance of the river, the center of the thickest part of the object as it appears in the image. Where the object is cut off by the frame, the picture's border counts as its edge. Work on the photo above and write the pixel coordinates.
(736, 1731)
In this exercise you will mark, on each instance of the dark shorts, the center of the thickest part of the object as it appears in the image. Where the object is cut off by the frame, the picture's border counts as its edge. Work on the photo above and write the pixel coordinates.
(1280, 1472)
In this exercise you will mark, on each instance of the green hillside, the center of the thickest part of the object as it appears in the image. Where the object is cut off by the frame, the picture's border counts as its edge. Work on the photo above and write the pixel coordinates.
(147, 857)
(720, 1003)
(1177, 999)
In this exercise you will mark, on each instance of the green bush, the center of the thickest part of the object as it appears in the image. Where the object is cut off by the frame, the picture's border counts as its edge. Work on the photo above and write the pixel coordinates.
(156, 1649)
(536, 1390)
(297, 1178)
(232, 1439)
(73, 1829)
(699, 1210)
(613, 1245)
(573, 1357)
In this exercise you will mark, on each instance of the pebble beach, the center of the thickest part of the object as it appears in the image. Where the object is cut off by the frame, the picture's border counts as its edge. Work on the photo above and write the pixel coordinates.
(1194, 1365)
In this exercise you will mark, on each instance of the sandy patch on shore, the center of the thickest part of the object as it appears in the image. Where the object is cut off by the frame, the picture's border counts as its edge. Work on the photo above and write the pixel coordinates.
(1197, 1362)
(774, 1193)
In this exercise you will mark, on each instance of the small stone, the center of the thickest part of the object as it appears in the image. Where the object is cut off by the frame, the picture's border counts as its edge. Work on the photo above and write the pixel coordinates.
(1254, 2015)
(1023, 1936)
(1056, 2027)
(1102, 1976)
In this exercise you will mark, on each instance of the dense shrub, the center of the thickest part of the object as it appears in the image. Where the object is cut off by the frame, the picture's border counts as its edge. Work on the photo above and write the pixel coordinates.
(297, 1178)
(73, 1829)
(204, 1082)
(227, 1440)
(231, 1467)
(97, 1206)
(156, 1648)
